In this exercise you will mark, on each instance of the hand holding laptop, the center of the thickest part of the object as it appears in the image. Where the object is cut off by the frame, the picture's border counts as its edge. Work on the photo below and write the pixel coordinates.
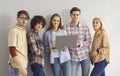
(65, 48)
(78, 44)
(51, 48)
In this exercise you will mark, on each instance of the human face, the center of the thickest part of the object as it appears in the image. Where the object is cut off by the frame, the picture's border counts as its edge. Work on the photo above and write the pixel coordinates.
(22, 20)
(96, 24)
(75, 16)
(38, 26)
(55, 21)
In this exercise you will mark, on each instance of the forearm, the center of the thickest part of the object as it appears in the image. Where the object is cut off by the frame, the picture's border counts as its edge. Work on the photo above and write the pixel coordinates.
(104, 50)
(85, 43)
(14, 56)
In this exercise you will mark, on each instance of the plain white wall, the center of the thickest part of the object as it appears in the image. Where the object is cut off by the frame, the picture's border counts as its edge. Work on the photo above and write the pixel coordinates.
(108, 10)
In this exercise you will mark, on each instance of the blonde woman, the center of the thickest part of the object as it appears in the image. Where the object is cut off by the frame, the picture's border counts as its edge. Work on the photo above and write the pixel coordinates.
(100, 50)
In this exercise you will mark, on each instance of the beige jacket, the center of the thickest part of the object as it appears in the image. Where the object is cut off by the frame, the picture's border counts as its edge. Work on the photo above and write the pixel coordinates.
(100, 43)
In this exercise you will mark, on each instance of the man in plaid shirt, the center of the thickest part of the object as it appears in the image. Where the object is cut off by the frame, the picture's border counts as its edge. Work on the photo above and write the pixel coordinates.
(79, 54)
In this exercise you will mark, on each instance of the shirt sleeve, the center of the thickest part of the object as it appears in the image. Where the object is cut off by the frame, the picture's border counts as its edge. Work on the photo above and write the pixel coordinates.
(45, 40)
(87, 39)
(106, 45)
(12, 38)
(31, 43)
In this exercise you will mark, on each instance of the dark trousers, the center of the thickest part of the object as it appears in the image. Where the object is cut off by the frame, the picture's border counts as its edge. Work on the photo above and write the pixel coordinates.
(99, 68)
(37, 69)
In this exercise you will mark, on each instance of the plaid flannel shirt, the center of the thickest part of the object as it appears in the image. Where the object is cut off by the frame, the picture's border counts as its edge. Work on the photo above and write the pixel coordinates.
(35, 48)
(84, 37)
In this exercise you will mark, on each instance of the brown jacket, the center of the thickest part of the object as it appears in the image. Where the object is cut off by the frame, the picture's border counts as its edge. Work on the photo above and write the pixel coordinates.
(100, 49)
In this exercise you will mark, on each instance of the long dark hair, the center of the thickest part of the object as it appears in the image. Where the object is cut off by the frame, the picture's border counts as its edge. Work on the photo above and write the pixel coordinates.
(51, 25)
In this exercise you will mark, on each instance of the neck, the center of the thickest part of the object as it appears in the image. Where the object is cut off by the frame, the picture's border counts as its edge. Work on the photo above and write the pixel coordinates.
(55, 29)
(20, 25)
(75, 23)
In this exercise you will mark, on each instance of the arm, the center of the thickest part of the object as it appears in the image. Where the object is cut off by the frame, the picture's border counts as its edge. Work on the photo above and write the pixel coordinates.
(87, 39)
(32, 43)
(106, 45)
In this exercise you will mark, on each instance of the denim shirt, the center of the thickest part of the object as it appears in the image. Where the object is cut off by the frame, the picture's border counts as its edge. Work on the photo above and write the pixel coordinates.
(48, 42)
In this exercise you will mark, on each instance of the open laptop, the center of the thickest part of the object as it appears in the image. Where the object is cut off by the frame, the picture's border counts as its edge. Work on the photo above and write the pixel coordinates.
(68, 40)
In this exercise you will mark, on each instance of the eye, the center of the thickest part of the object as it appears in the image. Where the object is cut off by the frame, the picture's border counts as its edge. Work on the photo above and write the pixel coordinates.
(23, 18)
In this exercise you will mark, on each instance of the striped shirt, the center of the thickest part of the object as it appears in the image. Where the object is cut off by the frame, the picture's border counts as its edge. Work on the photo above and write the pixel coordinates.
(84, 37)
(35, 48)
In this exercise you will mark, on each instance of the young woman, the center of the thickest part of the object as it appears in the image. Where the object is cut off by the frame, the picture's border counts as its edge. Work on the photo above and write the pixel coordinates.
(59, 58)
(35, 46)
(100, 50)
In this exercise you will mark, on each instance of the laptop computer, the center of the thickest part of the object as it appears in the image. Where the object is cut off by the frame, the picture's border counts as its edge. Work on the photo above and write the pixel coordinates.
(68, 40)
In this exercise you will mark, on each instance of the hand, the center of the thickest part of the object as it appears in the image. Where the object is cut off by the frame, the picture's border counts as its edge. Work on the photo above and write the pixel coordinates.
(65, 48)
(52, 48)
(23, 71)
(78, 44)
(93, 53)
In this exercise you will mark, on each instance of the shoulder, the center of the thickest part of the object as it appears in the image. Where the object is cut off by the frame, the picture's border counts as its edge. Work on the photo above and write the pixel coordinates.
(13, 30)
(103, 32)
(30, 32)
(62, 30)
(67, 25)
(48, 32)
(83, 24)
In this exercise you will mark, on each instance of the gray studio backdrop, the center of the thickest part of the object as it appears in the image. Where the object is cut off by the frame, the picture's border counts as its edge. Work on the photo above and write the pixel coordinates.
(108, 10)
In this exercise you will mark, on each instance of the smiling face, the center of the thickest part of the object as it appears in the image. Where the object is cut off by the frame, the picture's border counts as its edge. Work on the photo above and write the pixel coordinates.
(56, 21)
(38, 26)
(75, 16)
(97, 24)
(22, 20)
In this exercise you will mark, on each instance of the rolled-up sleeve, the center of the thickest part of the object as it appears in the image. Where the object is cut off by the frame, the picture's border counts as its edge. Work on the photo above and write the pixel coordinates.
(12, 38)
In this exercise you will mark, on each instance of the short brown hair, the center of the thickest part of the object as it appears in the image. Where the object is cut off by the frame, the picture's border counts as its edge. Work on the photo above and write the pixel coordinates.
(75, 9)
(23, 12)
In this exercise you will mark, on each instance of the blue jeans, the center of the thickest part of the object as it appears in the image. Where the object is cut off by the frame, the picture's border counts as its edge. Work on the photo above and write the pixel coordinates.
(99, 68)
(85, 67)
(14, 71)
(66, 67)
(37, 69)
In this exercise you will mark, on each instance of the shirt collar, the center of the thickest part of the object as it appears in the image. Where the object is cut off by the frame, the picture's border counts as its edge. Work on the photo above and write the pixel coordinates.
(21, 28)
(78, 25)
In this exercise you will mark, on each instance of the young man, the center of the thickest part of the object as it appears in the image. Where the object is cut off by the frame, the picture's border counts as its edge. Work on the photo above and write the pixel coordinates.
(80, 54)
(17, 43)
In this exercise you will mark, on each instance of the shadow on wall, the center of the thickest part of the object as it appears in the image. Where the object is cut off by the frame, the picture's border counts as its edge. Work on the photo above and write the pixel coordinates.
(5, 22)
